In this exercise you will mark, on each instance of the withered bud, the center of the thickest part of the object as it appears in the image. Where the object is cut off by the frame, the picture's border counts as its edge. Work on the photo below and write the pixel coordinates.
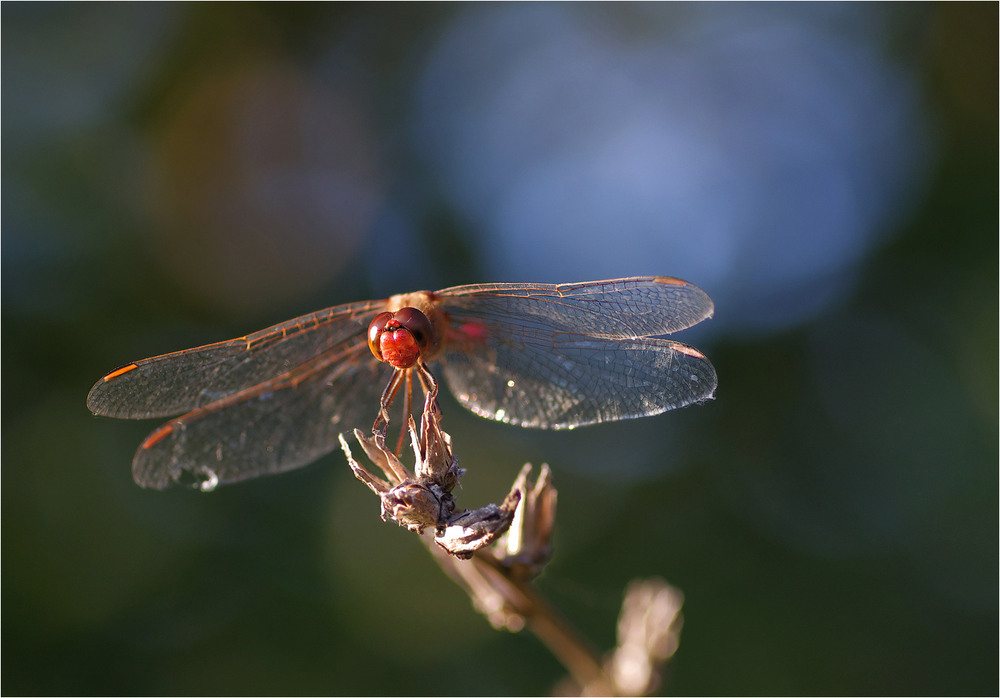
(471, 530)
(526, 548)
(413, 500)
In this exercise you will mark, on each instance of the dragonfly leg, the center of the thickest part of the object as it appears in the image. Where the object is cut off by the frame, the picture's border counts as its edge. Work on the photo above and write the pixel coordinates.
(388, 395)
(407, 407)
(429, 383)
(430, 386)
(403, 378)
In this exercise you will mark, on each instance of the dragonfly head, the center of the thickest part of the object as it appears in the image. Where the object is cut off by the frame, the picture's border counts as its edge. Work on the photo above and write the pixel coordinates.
(399, 338)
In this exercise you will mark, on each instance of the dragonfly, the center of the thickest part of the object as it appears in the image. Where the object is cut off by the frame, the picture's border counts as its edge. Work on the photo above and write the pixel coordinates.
(544, 356)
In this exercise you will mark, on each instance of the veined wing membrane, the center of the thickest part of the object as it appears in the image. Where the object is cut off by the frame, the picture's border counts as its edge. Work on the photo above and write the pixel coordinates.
(567, 381)
(166, 385)
(641, 306)
(558, 357)
(272, 427)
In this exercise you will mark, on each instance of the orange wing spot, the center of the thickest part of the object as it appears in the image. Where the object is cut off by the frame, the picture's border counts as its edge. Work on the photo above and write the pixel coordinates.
(685, 349)
(120, 371)
(158, 435)
(671, 280)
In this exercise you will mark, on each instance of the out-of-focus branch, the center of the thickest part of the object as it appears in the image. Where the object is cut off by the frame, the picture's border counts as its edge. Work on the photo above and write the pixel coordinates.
(649, 631)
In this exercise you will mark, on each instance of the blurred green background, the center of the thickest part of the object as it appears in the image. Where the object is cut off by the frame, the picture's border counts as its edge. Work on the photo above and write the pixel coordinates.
(175, 174)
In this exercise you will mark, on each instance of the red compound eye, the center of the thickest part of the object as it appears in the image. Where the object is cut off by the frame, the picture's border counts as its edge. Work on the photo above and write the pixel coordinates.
(416, 323)
(398, 338)
(376, 328)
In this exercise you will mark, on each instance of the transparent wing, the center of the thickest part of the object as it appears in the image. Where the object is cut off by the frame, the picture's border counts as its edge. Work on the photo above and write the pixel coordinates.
(571, 381)
(166, 385)
(641, 306)
(268, 402)
(271, 427)
(558, 357)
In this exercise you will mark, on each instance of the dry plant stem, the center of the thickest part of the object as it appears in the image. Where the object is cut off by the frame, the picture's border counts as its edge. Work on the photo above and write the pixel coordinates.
(499, 579)
(563, 641)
